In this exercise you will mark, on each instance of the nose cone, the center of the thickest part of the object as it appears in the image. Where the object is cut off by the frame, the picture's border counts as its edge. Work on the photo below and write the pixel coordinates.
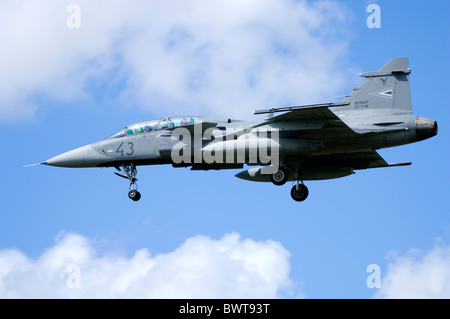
(425, 128)
(84, 156)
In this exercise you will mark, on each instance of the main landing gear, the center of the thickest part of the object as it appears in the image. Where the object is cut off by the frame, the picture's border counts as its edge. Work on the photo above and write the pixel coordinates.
(280, 177)
(299, 192)
(129, 172)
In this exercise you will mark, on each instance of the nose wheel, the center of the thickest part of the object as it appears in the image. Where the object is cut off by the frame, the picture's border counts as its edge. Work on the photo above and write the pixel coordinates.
(134, 195)
(129, 172)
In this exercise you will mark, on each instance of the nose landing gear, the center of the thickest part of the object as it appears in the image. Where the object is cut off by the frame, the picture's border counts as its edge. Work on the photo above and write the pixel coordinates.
(129, 172)
(134, 195)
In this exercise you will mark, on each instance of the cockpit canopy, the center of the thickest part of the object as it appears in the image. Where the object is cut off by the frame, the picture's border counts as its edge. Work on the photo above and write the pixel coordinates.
(154, 125)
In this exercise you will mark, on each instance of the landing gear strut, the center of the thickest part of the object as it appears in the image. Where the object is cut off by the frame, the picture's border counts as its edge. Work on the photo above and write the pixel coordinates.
(129, 172)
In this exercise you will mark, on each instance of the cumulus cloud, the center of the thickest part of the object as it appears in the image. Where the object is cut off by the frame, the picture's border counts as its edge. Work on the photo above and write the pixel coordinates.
(201, 267)
(418, 274)
(214, 57)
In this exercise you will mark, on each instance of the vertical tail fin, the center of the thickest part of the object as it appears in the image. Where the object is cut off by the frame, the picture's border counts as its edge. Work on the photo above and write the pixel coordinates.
(385, 92)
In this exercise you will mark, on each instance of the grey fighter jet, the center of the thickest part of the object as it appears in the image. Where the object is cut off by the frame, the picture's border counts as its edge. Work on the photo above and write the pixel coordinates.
(298, 143)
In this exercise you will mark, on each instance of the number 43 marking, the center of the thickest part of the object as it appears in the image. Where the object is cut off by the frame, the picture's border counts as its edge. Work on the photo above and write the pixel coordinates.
(121, 151)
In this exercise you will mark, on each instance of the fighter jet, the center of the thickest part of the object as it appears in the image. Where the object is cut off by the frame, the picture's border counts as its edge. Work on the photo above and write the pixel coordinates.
(295, 143)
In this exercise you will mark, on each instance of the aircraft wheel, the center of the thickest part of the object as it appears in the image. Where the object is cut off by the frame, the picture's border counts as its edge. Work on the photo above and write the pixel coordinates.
(280, 177)
(134, 195)
(299, 194)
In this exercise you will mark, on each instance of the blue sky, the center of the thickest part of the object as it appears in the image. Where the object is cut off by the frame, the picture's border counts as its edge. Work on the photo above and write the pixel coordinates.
(209, 234)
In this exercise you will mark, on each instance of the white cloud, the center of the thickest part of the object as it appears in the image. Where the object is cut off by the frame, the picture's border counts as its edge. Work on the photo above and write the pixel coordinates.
(213, 57)
(418, 275)
(201, 267)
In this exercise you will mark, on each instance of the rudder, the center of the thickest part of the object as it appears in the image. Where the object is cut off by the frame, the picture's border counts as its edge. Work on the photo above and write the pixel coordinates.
(385, 92)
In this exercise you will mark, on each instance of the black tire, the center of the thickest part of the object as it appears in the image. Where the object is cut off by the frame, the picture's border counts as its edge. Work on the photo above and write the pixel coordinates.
(280, 177)
(299, 194)
(138, 197)
(134, 195)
